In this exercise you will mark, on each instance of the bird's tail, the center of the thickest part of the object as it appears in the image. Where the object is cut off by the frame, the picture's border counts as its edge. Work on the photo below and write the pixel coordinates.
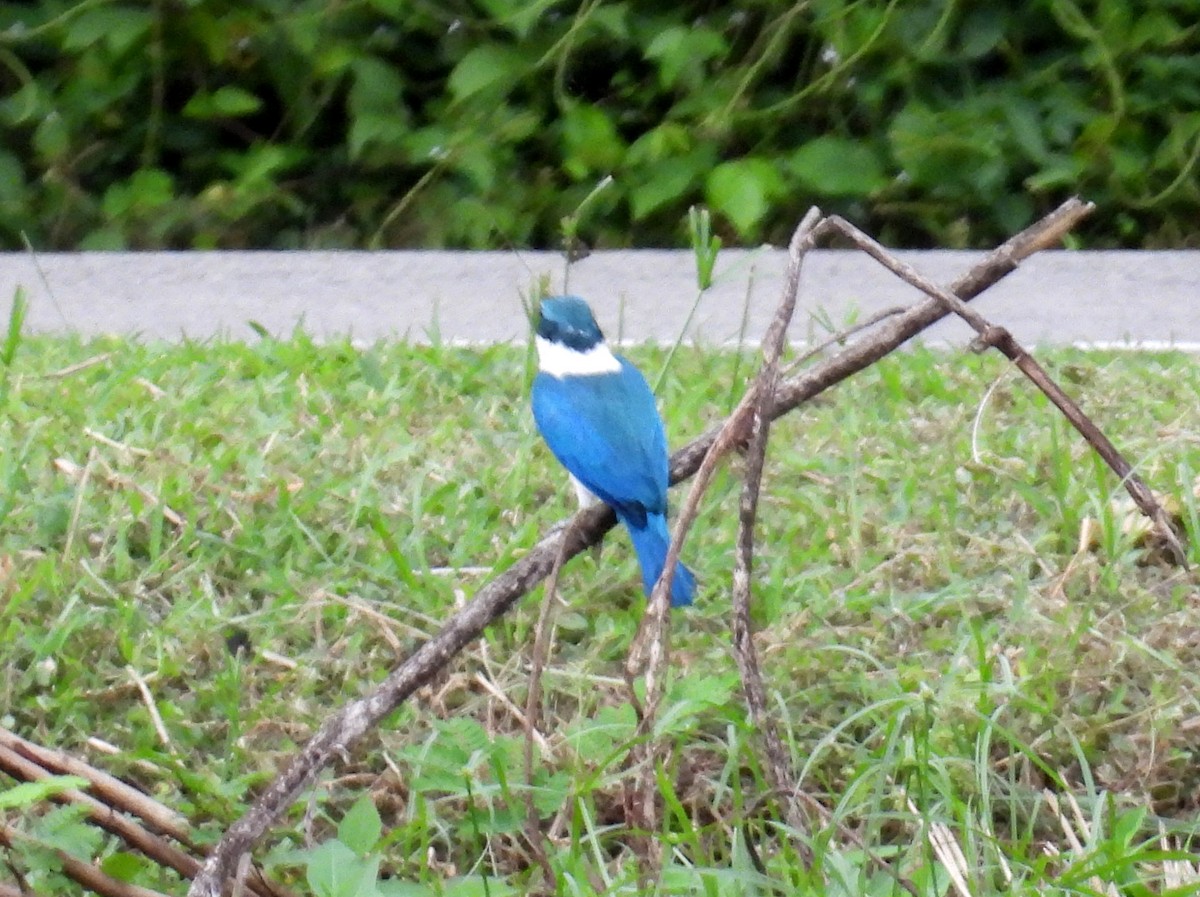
(650, 542)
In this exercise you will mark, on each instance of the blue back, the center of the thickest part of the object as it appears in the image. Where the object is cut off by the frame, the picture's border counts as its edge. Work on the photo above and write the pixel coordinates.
(605, 430)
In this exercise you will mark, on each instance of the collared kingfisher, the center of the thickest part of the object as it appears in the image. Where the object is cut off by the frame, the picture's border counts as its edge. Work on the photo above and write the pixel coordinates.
(597, 415)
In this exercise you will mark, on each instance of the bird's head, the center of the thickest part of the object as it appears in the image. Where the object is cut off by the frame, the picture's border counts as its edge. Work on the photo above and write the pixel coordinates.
(567, 321)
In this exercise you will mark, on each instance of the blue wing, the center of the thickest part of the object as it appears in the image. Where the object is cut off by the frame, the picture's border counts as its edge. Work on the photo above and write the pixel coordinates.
(605, 430)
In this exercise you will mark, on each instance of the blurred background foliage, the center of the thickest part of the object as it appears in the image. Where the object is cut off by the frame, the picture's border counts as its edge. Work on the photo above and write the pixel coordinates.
(448, 123)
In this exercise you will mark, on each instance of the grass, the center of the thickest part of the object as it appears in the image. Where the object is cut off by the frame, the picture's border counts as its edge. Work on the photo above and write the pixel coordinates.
(946, 667)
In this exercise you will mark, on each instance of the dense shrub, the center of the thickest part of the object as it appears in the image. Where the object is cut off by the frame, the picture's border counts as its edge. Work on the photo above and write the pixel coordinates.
(304, 123)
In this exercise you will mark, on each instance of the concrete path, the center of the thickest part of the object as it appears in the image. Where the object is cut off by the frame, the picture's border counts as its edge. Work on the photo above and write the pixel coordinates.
(1149, 298)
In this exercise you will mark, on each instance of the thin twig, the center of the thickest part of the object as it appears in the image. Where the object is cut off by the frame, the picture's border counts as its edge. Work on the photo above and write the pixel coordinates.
(77, 870)
(778, 769)
(107, 788)
(78, 366)
(841, 336)
(111, 804)
(120, 825)
(514, 711)
(356, 718)
(990, 335)
(113, 480)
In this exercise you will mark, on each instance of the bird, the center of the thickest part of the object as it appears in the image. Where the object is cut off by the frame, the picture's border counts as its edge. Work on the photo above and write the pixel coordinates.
(598, 417)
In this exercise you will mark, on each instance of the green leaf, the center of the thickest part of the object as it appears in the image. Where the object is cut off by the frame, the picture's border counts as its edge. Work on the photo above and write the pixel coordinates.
(394, 887)
(29, 793)
(334, 870)
(674, 180)
(262, 161)
(224, 102)
(377, 86)
(491, 68)
(681, 53)
(145, 190)
(52, 138)
(596, 738)
(361, 827)
(116, 27)
(479, 886)
(380, 136)
(64, 828)
(1128, 826)
(518, 16)
(590, 141)
(109, 238)
(125, 866)
(666, 140)
(837, 166)
(950, 149)
(1058, 172)
(982, 30)
(12, 179)
(742, 191)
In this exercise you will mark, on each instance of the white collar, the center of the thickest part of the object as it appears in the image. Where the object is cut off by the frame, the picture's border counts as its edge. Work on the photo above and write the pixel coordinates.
(561, 361)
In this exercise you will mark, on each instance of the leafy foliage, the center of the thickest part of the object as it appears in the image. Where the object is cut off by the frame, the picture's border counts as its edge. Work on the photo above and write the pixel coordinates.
(394, 123)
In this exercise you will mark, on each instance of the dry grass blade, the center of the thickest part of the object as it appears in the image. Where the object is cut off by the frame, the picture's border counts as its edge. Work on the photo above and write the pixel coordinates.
(947, 850)
(1074, 825)
(543, 636)
(1177, 873)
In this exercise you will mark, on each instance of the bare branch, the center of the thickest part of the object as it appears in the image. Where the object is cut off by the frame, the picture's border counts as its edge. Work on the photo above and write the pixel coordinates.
(77, 870)
(107, 788)
(105, 807)
(999, 338)
(778, 769)
(813, 381)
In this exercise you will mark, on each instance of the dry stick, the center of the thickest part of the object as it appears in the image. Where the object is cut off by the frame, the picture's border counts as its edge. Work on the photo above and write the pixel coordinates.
(15, 760)
(650, 648)
(778, 769)
(107, 788)
(999, 338)
(861, 354)
(355, 719)
(77, 870)
(121, 826)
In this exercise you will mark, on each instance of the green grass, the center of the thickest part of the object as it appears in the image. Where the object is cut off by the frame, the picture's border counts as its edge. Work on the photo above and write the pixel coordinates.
(939, 656)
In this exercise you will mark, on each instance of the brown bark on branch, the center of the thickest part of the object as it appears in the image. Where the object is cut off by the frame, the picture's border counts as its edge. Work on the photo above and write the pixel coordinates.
(77, 870)
(778, 768)
(999, 338)
(114, 806)
(358, 717)
(107, 788)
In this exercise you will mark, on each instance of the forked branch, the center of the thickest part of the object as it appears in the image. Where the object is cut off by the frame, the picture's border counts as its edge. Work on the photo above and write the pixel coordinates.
(351, 722)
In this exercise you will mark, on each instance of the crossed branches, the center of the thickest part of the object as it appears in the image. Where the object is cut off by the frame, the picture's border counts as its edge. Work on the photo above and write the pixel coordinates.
(772, 395)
